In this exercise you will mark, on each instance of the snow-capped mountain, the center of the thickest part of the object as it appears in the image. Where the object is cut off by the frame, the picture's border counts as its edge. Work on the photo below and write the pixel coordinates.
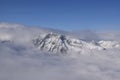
(59, 43)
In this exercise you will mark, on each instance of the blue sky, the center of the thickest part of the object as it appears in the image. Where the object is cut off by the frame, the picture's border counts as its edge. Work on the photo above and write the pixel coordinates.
(63, 14)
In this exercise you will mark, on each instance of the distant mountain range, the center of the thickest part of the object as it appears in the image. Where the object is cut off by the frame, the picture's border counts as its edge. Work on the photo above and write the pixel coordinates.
(55, 41)
(59, 43)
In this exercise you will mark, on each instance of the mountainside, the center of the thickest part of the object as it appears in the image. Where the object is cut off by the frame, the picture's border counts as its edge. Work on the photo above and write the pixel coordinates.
(59, 43)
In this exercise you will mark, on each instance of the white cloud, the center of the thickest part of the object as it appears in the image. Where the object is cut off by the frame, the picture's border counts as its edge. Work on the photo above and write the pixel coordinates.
(20, 61)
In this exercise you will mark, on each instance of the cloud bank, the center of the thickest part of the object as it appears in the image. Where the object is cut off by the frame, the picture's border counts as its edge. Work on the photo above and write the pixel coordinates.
(20, 60)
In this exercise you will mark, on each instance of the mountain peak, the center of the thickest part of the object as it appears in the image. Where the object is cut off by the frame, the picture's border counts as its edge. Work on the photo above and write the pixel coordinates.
(52, 42)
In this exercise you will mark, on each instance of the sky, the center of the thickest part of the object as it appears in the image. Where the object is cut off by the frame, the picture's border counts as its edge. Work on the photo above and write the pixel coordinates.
(63, 14)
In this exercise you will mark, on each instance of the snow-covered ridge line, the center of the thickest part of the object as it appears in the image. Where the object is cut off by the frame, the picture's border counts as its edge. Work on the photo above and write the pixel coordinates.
(59, 43)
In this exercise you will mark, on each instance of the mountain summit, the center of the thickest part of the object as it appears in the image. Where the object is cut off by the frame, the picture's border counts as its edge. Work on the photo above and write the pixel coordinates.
(52, 42)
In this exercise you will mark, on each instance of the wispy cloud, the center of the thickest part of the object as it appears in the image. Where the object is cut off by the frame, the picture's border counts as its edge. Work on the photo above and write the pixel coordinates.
(20, 61)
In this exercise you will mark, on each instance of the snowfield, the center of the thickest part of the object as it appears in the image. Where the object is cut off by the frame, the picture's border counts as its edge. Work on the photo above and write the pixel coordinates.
(32, 53)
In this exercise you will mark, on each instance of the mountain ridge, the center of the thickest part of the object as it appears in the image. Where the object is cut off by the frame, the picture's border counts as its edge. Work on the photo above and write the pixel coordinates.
(60, 43)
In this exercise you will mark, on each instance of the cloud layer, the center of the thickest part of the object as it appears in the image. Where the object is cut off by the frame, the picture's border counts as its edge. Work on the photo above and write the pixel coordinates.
(19, 60)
